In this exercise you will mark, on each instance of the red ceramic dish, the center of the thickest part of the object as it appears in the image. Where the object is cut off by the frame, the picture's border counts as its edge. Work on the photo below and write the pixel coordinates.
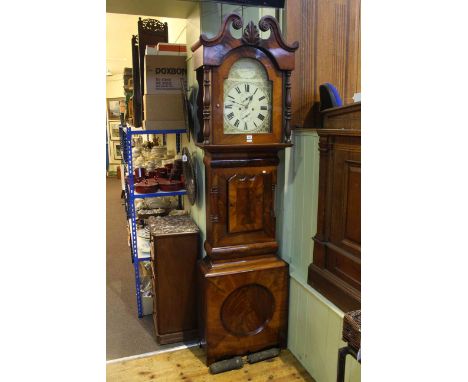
(139, 173)
(146, 186)
(161, 172)
(170, 185)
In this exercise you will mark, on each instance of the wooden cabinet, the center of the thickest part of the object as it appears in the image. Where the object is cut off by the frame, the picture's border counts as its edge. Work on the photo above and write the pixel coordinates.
(174, 255)
(336, 267)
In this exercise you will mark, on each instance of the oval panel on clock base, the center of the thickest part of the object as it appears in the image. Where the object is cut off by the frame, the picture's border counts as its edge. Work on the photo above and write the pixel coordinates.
(247, 310)
(243, 306)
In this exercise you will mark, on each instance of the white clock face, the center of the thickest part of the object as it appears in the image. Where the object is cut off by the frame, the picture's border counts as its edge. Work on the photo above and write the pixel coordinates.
(247, 99)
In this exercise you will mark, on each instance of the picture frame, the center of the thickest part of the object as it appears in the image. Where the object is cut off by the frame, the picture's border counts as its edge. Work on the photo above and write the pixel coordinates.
(113, 130)
(116, 151)
(113, 108)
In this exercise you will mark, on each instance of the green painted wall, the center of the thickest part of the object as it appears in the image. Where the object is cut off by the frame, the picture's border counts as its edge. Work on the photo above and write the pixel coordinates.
(198, 209)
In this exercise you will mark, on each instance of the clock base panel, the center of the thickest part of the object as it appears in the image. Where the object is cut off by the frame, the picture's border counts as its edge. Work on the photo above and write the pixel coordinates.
(244, 306)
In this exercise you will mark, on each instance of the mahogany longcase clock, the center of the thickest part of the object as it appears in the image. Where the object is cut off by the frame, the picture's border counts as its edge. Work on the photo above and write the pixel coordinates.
(245, 100)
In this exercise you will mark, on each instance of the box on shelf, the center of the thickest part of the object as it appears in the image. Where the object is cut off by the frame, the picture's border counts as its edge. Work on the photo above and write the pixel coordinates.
(163, 125)
(165, 74)
(169, 49)
(164, 107)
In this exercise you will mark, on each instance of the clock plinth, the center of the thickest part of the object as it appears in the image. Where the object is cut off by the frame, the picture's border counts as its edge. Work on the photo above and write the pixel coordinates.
(244, 110)
(243, 306)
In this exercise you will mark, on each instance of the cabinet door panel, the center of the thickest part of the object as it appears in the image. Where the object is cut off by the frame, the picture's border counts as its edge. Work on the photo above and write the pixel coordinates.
(246, 203)
(345, 227)
(245, 206)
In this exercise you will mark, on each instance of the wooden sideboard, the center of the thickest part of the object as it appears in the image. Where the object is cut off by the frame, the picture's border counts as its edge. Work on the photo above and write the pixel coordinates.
(336, 268)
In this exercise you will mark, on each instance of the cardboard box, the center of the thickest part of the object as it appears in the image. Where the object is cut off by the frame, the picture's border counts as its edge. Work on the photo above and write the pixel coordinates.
(163, 125)
(165, 73)
(164, 48)
(168, 106)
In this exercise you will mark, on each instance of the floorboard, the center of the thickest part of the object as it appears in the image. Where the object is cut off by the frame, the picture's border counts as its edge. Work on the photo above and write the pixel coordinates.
(188, 366)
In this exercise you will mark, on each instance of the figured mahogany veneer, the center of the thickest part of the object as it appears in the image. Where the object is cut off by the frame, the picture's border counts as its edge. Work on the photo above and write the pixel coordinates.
(244, 306)
(240, 210)
(243, 284)
(336, 267)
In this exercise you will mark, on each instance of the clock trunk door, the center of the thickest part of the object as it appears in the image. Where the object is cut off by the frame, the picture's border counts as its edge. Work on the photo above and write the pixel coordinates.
(242, 210)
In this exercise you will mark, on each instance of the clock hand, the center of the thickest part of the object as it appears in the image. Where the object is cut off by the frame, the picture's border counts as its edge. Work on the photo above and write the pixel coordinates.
(240, 104)
(250, 100)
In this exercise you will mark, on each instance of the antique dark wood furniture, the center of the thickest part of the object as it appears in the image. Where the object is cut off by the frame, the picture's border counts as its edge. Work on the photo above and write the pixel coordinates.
(137, 98)
(150, 32)
(352, 335)
(246, 111)
(174, 254)
(336, 268)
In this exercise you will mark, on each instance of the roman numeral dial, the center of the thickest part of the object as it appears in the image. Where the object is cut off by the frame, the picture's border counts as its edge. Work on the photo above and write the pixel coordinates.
(247, 108)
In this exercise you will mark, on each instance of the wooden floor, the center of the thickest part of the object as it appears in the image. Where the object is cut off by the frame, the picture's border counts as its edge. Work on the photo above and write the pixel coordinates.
(188, 366)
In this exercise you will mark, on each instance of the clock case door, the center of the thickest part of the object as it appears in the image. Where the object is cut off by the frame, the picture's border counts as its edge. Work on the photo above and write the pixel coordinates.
(240, 188)
(220, 74)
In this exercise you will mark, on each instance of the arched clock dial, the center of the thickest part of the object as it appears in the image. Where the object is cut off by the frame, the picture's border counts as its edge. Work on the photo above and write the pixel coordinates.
(247, 99)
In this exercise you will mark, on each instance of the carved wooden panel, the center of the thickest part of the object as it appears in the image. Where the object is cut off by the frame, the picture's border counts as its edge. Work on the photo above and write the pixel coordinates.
(330, 51)
(137, 100)
(336, 267)
(246, 204)
(346, 204)
(240, 206)
(247, 310)
(344, 249)
(150, 32)
(243, 307)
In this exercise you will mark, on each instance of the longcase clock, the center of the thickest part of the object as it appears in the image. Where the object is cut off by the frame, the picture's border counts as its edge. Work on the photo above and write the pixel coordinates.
(245, 111)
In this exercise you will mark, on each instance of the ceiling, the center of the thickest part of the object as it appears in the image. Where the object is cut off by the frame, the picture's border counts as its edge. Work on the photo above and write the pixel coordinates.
(159, 8)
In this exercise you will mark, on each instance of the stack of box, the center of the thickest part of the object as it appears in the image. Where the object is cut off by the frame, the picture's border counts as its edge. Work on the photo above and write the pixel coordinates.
(165, 81)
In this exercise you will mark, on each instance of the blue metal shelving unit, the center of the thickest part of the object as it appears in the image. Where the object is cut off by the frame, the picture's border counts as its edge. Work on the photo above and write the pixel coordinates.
(126, 134)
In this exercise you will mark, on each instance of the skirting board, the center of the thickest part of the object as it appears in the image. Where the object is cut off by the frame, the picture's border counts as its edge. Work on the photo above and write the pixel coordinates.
(137, 356)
